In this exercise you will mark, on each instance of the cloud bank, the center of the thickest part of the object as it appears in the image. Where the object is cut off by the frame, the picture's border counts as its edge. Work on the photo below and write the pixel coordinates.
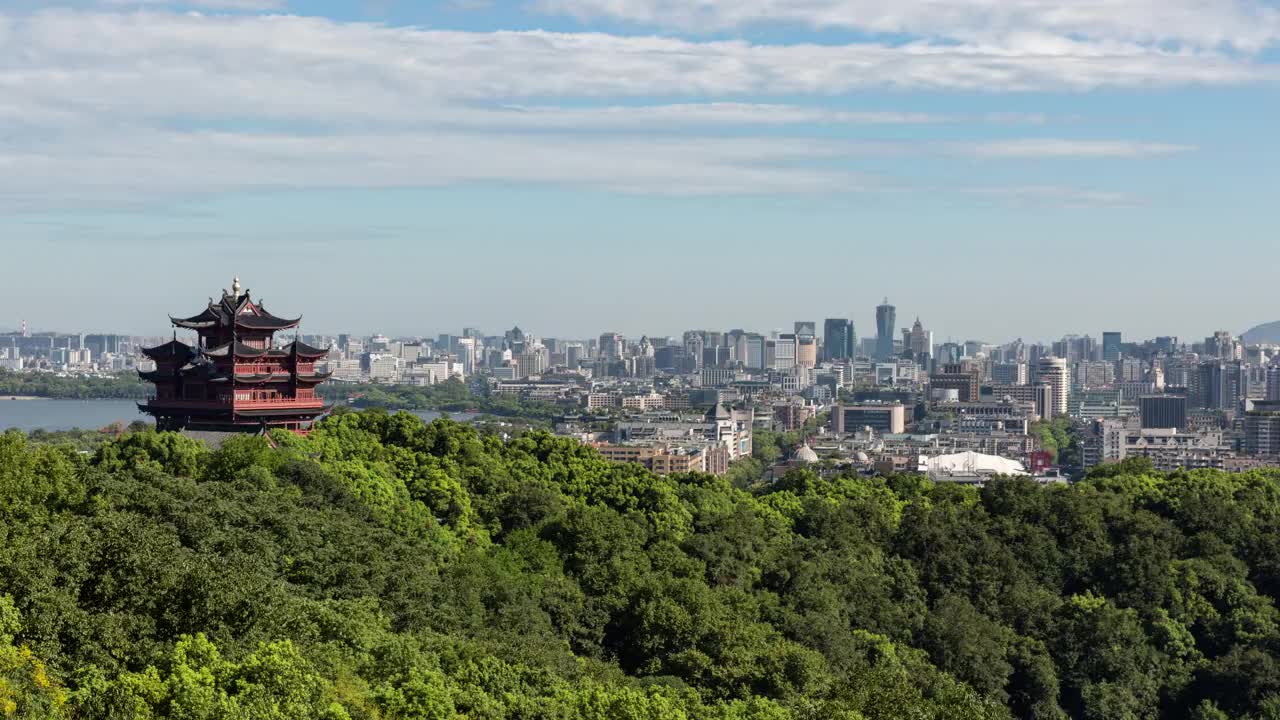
(106, 103)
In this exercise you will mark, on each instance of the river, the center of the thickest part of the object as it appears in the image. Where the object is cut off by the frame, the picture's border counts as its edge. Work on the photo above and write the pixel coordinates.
(44, 414)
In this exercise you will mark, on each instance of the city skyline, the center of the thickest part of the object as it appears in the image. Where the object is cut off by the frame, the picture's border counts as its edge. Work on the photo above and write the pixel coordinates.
(591, 164)
(869, 335)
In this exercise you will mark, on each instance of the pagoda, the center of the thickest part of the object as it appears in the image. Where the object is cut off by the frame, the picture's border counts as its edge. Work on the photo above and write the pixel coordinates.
(234, 379)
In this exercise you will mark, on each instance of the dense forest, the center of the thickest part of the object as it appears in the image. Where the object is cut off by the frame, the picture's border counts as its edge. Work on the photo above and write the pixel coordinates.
(47, 385)
(387, 568)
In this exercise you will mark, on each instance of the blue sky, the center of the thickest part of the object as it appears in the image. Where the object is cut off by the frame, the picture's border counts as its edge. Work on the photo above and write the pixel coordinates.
(1001, 168)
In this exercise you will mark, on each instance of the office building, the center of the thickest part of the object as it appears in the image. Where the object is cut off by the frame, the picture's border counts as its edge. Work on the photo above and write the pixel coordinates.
(888, 418)
(838, 339)
(611, 346)
(886, 321)
(1014, 373)
(1221, 385)
(1039, 396)
(1262, 430)
(755, 352)
(1111, 346)
(1052, 371)
(784, 352)
(806, 351)
(919, 341)
(966, 381)
(694, 344)
(1163, 411)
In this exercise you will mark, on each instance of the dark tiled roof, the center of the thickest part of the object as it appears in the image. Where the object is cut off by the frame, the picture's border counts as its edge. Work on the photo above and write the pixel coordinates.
(171, 349)
(220, 314)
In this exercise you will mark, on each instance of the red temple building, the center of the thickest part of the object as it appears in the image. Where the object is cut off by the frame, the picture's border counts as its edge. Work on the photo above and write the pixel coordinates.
(234, 379)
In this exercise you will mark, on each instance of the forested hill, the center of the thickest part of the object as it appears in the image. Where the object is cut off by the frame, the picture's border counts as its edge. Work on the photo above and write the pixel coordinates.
(48, 385)
(384, 568)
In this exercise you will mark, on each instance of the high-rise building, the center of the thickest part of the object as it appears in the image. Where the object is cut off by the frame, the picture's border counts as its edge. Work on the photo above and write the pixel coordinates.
(960, 378)
(611, 346)
(919, 341)
(694, 344)
(1273, 383)
(1262, 430)
(1052, 371)
(1222, 384)
(1111, 346)
(837, 339)
(1163, 411)
(1219, 345)
(784, 352)
(1014, 373)
(806, 328)
(755, 352)
(1039, 395)
(806, 351)
(886, 320)
(949, 353)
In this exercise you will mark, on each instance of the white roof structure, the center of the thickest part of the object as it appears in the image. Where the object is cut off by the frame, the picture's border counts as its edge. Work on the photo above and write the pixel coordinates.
(970, 464)
(806, 455)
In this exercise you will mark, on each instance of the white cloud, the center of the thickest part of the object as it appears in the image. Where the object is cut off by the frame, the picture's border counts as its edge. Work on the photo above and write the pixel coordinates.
(284, 65)
(122, 165)
(132, 164)
(97, 105)
(1247, 25)
(246, 5)
(1060, 148)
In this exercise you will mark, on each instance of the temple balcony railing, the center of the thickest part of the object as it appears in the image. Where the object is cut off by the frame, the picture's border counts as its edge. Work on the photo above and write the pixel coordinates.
(259, 369)
(267, 404)
(264, 368)
(259, 404)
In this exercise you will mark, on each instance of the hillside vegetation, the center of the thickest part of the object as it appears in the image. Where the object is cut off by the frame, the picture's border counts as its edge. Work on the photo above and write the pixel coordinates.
(387, 568)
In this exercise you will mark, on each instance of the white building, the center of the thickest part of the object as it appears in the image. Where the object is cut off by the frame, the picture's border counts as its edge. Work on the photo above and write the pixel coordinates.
(1053, 372)
(384, 368)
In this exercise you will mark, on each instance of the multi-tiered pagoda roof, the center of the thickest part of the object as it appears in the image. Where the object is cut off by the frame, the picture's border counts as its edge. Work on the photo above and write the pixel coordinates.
(235, 377)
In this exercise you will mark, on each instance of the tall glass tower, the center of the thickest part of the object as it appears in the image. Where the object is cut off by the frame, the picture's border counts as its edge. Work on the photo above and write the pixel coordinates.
(838, 339)
(886, 320)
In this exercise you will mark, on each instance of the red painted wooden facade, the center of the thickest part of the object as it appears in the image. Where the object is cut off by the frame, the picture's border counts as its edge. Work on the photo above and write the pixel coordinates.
(234, 378)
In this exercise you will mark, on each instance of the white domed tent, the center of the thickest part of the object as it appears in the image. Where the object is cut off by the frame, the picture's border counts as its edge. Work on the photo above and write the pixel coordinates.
(969, 467)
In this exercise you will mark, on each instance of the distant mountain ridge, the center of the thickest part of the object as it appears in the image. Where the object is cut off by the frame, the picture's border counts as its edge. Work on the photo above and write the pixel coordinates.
(1265, 333)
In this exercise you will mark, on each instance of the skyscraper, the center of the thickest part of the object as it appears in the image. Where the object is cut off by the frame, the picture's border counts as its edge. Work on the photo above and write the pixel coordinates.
(920, 341)
(886, 320)
(1262, 430)
(1222, 384)
(611, 346)
(837, 339)
(1111, 346)
(1053, 372)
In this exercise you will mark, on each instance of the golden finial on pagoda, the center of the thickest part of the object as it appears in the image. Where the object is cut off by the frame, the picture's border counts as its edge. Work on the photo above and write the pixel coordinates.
(235, 288)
